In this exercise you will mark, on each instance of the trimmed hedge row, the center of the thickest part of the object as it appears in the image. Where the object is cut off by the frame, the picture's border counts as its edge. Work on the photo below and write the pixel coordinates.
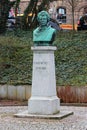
(15, 59)
(70, 58)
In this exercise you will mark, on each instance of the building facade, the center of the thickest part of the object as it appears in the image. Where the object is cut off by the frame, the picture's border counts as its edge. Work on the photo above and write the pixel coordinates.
(61, 9)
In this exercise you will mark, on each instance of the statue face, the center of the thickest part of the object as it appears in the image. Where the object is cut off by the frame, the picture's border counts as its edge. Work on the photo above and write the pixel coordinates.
(43, 20)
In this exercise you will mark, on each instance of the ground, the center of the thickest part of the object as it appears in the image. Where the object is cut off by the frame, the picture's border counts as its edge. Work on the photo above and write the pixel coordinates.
(77, 121)
(12, 102)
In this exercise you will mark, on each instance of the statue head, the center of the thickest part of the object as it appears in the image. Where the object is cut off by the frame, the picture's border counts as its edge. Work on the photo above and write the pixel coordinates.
(43, 35)
(43, 18)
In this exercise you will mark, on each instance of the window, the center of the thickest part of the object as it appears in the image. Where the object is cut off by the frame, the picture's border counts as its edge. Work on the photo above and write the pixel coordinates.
(61, 15)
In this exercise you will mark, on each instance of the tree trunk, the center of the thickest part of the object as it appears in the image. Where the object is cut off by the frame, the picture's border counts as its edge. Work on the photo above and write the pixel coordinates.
(73, 20)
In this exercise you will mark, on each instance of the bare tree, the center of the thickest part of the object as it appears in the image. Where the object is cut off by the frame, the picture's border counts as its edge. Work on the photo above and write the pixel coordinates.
(34, 8)
(16, 6)
(72, 6)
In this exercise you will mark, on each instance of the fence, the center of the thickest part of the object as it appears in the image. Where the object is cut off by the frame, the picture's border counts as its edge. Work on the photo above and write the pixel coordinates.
(23, 92)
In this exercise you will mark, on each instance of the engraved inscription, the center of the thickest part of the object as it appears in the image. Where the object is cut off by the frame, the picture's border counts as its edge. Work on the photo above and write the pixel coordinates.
(40, 65)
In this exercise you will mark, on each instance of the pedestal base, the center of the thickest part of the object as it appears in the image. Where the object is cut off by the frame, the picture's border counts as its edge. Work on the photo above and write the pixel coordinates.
(43, 105)
(62, 114)
(44, 100)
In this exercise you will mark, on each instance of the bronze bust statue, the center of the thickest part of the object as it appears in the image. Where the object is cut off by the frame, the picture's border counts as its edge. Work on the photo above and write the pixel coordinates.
(43, 35)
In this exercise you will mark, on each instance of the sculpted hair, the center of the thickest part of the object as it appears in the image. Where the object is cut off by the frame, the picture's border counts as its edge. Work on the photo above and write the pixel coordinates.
(43, 13)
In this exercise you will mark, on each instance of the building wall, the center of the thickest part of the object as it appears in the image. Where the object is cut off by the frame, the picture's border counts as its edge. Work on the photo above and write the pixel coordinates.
(78, 10)
(61, 3)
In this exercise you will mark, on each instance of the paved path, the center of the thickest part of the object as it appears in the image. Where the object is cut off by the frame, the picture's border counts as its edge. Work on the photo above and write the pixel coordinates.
(78, 121)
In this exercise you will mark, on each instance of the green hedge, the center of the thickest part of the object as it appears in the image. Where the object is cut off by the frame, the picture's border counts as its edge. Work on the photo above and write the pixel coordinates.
(15, 59)
(70, 58)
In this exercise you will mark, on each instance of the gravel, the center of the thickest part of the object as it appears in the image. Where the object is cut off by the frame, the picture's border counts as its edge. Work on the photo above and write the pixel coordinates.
(77, 121)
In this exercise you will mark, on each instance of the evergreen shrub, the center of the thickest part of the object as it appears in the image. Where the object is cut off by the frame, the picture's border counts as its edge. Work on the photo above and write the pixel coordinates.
(70, 58)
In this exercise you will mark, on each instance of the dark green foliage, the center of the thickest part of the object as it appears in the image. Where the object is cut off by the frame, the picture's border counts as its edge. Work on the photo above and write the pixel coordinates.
(70, 58)
(15, 60)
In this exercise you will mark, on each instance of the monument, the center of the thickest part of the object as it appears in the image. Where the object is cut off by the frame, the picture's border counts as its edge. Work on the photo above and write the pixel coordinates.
(43, 99)
(43, 102)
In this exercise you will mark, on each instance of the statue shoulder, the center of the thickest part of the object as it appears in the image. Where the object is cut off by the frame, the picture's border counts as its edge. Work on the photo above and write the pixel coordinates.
(36, 30)
(53, 30)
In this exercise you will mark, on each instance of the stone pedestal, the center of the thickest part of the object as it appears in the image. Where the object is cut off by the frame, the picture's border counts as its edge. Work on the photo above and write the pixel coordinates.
(43, 97)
